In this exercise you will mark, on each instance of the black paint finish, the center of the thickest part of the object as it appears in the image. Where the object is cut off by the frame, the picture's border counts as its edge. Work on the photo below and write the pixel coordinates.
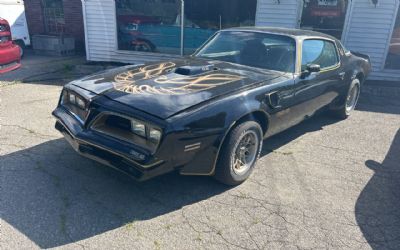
(195, 101)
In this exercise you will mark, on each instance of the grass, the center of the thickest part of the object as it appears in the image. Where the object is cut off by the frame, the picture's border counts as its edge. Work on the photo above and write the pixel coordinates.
(63, 224)
(68, 67)
(130, 225)
(8, 83)
(157, 244)
(198, 238)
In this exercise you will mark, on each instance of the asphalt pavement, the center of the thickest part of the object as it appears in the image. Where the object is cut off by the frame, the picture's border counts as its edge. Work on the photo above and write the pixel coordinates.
(324, 184)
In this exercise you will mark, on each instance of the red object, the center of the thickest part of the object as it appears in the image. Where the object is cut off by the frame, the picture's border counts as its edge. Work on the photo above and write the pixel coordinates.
(10, 54)
(326, 12)
(318, 9)
(138, 19)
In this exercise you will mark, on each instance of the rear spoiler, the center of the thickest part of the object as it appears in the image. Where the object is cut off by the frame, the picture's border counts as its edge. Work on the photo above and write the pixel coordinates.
(366, 57)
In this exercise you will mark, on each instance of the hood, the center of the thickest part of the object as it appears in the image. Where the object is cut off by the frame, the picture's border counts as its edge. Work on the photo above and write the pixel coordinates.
(166, 88)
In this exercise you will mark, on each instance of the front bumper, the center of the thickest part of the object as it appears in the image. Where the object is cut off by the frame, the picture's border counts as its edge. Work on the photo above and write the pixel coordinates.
(109, 151)
(9, 58)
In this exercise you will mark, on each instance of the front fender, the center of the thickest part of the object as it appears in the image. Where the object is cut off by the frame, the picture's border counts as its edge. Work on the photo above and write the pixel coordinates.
(208, 127)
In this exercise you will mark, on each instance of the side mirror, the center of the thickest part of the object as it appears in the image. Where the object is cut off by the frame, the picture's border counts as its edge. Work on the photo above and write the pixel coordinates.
(311, 68)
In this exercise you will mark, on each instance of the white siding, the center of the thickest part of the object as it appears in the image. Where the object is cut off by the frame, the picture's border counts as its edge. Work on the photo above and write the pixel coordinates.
(101, 35)
(274, 14)
(369, 30)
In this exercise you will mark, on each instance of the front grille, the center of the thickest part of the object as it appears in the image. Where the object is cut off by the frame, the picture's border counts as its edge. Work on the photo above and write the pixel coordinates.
(8, 65)
(120, 127)
(3, 27)
(118, 122)
(4, 39)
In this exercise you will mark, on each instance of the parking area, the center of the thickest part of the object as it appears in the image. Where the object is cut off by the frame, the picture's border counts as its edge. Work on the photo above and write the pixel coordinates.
(322, 184)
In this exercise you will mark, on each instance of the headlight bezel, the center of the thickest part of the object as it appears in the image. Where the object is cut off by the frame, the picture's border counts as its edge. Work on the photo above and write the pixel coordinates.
(100, 124)
(75, 104)
(146, 133)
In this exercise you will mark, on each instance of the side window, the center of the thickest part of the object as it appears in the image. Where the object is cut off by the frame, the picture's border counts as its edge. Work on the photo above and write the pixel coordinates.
(319, 52)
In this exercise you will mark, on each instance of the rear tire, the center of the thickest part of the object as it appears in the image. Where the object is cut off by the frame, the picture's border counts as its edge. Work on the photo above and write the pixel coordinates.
(350, 101)
(239, 153)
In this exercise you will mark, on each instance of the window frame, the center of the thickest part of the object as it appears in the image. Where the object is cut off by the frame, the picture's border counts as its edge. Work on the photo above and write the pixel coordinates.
(154, 54)
(329, 68)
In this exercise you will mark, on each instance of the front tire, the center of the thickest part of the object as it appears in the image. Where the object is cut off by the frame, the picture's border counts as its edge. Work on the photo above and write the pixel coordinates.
(350, 101)
(239, 153)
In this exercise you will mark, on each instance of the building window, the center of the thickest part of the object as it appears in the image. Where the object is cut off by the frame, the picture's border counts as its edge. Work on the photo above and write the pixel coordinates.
(208, 16)
(148, 25)
(155, 25)
(53, 13)
(326, 16)
(393, 57)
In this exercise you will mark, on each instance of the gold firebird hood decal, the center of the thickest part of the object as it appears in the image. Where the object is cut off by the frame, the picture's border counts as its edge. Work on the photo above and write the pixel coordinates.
(164, 85)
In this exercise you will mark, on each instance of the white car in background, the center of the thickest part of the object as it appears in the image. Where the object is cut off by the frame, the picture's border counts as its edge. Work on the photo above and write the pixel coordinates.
(14, 12)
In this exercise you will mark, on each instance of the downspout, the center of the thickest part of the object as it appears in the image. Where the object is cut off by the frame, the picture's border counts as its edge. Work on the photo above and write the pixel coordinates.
(182, 27)
(85, 30)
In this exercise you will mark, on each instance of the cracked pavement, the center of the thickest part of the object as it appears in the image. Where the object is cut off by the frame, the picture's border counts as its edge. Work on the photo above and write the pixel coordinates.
(324, 184)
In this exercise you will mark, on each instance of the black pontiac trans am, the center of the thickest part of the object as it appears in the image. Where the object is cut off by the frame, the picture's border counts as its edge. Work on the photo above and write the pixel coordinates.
(208, 114)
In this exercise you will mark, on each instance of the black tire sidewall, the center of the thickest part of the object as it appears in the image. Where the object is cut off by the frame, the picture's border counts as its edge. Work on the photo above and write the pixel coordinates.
(353, 83)
(224, 172)
(341, 112)
(21, 45)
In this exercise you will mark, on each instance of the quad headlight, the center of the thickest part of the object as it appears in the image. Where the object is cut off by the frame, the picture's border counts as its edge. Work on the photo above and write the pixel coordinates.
(71, 98)
(138, 128)
(80, 102)
(155, 135)
(75, 103)
(144, 130)
(75, 100)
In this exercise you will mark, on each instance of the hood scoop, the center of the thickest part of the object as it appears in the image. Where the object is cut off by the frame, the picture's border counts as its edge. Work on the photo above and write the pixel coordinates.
(195, 70)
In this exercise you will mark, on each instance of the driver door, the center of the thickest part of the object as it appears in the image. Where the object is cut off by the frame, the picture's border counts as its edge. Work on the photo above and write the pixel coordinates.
(317, 89)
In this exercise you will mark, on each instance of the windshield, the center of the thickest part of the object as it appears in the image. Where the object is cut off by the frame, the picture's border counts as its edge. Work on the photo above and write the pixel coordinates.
(261, 50)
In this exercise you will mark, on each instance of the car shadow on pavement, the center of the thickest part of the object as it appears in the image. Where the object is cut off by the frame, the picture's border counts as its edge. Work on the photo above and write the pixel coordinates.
(312, 124)
(378, 207)
(55, 197)
(378, 104)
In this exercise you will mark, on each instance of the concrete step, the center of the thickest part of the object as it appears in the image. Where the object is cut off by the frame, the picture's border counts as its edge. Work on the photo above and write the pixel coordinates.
(381, 93)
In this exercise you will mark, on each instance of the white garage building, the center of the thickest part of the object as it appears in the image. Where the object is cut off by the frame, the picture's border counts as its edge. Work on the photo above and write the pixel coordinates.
(136, 31)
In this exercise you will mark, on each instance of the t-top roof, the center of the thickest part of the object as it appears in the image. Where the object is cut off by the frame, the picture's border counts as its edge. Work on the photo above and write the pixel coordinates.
(283, 31)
